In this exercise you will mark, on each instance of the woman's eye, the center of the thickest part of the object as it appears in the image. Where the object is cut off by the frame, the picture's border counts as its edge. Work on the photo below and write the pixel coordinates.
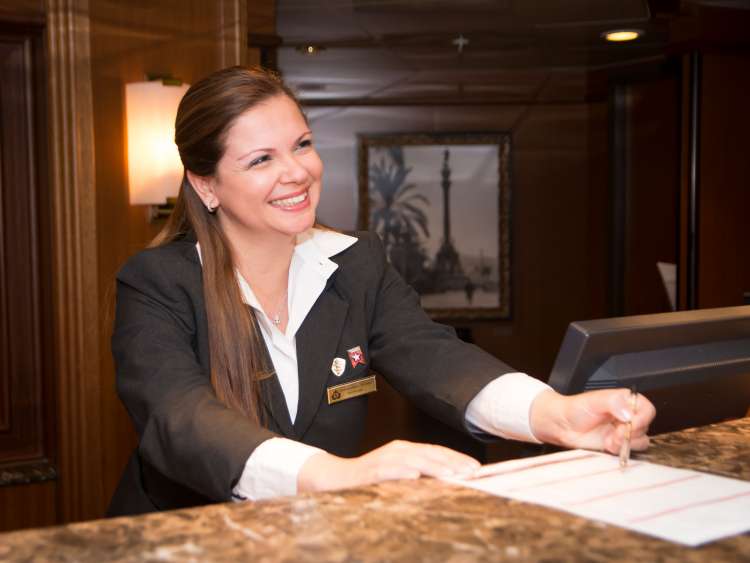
(259, 160)
(304, 144)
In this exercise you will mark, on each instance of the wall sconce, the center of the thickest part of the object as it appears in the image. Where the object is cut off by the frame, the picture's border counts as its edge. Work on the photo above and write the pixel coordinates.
(154, 167)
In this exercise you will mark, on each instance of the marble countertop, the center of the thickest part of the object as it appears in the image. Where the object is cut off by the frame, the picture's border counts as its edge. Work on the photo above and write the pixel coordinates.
(423, 520)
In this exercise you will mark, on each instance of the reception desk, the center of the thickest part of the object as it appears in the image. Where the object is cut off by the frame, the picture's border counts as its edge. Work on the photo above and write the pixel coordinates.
(423, 520)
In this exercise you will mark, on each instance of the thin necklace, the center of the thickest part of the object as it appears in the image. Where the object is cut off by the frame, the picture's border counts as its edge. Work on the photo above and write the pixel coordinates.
(276, 318)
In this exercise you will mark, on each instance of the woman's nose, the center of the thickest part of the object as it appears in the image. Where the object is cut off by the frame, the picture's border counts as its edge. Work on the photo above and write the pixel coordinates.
(294, 171)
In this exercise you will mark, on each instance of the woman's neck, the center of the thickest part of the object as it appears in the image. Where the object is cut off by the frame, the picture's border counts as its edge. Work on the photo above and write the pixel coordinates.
(265, 263)
(265, 266)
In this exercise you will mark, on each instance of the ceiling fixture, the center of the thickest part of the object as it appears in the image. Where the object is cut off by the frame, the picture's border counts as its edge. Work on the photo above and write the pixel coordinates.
(460, 42)
(310, 49)
(619, 35)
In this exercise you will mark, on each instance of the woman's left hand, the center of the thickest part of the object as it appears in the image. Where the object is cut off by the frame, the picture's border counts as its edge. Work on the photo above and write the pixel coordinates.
(595, 420)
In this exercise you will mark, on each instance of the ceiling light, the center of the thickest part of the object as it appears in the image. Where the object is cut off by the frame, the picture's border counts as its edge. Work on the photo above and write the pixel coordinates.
(310, 49)
(618, 35)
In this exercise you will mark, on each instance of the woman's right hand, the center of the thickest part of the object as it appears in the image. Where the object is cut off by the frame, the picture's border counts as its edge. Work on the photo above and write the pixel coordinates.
(396, 460)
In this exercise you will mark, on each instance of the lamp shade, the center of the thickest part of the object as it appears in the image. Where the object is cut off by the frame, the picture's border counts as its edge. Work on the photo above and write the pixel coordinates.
(154, 167)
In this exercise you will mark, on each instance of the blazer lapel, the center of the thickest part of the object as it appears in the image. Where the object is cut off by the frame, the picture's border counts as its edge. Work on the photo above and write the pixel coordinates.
(317, 342)
(273, 399)
(273, 396)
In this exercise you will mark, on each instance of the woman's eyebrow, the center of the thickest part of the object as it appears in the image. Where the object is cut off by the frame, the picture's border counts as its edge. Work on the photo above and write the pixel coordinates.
(244, 156)
(268, 149)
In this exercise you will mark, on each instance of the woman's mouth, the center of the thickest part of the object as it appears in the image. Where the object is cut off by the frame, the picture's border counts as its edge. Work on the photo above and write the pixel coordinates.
(292, 201)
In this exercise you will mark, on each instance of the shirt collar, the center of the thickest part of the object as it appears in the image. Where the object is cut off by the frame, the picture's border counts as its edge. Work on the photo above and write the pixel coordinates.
(317, 246)
(310, 269)
(314, 244)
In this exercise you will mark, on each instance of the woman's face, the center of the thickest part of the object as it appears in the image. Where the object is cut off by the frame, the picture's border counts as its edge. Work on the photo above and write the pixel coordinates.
(268, 182)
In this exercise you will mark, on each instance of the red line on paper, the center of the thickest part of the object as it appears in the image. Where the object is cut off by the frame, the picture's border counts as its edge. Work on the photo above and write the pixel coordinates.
(566, 479)
(633, 490)
(706, 502)
(533, 466)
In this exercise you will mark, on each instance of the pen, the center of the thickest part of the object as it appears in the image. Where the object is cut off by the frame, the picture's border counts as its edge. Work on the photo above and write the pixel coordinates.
(625, 447)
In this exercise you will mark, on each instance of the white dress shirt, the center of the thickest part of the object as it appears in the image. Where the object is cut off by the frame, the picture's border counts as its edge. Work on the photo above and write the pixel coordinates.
(500, 408)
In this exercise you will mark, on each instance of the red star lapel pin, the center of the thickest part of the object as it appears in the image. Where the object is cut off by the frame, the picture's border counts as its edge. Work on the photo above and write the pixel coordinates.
(356, 356)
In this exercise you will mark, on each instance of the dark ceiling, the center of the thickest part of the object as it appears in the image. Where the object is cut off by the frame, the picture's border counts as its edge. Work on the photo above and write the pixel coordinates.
(501, 50)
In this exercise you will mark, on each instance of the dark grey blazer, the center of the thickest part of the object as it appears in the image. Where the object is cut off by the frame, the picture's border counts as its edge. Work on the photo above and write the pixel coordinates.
(192, 449)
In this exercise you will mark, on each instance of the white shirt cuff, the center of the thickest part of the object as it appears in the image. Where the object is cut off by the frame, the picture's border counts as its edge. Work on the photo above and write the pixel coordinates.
(272, 469)
(503, 406)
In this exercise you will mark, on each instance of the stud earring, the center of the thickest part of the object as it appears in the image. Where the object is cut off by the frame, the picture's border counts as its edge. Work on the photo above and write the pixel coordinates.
(211, 208)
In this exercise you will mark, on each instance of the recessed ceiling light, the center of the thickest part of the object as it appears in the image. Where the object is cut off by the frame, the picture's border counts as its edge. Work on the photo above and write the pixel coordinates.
(310, 49)
(619, 35)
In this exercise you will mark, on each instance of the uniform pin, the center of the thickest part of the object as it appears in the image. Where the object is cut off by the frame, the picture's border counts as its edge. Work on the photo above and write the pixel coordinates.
(338, 366)
(356, 356)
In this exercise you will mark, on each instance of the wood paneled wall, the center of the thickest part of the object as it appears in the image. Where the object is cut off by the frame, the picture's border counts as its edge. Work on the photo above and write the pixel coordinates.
(724, 209)
(23, 11)
(22, 371)
(28, 464)
(559, 223)
(652, 191)
(262, 38)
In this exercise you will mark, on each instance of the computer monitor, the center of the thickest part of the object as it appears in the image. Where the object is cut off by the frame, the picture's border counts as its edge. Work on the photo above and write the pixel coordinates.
(693, 365)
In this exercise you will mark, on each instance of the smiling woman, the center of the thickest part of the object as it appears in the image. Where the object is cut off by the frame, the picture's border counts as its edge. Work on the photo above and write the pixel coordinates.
(267, 184)
(239, 135)
(244, 337)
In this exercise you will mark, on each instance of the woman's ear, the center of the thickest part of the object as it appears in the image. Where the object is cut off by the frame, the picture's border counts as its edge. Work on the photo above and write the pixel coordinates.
(203, 186)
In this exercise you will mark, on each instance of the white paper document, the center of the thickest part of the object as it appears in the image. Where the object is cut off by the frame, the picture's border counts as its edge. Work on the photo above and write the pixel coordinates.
(678, 505)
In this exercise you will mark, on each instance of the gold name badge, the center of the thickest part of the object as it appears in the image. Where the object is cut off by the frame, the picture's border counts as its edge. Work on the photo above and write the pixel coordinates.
(355, 388)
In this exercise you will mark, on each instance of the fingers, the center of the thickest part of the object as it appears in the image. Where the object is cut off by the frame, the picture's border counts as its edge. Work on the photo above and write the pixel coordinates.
(616, 436)
(639, 411)
(438, 461)
(409, 460)
(394, 472)
(396, 460)
(432, 460)
(597, 420)
(644, 415)
(618, 404)
(639, 444)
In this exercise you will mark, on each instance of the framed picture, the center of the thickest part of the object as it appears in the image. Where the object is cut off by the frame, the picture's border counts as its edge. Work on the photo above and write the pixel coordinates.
(441, 204)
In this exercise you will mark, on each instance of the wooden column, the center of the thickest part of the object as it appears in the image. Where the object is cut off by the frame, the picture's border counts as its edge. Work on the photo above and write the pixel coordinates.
(232, 32)
(74, 259)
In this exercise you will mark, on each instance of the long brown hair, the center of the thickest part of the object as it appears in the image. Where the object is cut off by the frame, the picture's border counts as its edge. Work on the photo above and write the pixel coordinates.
(205, 115)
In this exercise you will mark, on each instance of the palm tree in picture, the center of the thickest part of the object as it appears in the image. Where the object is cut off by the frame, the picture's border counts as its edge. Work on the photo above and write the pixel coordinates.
(398, 216)
(396, 210)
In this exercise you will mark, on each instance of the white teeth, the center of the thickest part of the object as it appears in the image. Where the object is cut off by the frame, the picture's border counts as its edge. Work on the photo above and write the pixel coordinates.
(290, 201)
